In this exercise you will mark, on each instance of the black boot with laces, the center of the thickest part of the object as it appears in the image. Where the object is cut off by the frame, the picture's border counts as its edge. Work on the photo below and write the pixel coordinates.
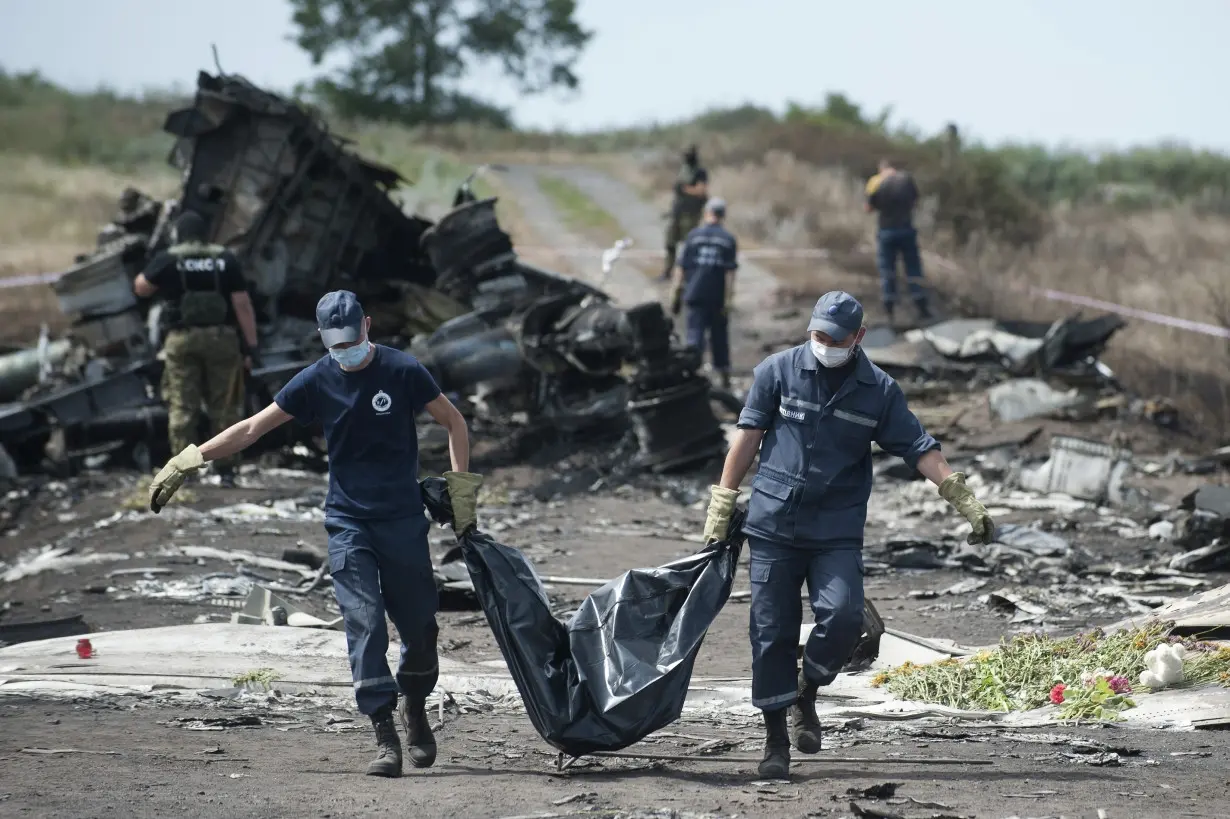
(388, 754)
(776, 763)
(803, 715)
(420, 743)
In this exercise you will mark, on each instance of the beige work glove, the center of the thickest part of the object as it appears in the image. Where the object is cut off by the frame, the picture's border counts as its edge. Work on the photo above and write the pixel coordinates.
(171, 477)
(954, 490)
(721, 508)
(463, 494)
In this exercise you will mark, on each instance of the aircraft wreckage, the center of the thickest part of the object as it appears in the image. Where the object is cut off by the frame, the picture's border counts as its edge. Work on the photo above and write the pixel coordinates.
(306, 215)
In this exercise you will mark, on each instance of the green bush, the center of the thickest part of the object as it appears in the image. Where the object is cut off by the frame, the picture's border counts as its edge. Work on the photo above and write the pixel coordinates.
(96, 128)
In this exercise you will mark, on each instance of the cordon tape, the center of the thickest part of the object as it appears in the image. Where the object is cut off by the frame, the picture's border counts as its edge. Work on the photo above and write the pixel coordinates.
(33, 279)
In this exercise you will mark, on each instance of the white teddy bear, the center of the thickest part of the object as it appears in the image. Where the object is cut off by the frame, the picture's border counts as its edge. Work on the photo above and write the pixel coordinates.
(1163, 666)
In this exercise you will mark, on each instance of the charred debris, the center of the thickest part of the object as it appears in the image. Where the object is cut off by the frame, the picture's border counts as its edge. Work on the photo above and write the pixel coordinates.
(519, 346)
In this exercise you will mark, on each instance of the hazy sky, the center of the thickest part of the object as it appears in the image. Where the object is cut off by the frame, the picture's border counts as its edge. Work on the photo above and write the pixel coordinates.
(1087, 72)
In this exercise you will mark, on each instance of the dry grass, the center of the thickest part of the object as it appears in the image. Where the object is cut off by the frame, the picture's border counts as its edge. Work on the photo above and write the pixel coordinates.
(48, 215)
(53, 212)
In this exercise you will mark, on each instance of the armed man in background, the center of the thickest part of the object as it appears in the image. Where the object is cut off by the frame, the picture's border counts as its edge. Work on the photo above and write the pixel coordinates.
(705, 282)
(691, 192)
(812, 413)
(366, 396)
(893, 195)
(206, 300)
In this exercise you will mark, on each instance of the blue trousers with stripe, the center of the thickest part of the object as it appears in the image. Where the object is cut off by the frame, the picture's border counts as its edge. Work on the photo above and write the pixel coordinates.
(381, 566)
(834, 580)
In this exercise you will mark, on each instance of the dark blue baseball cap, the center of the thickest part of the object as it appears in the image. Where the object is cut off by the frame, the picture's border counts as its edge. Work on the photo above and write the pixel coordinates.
(837, 314)
(339, 316)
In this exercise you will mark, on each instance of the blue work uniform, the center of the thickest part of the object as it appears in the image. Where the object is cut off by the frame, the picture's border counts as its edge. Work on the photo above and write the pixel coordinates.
(378, 552)
(808, 507)
(709, 253)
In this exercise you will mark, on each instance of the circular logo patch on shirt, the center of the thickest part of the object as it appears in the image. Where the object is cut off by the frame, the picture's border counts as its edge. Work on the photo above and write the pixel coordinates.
(381, 402)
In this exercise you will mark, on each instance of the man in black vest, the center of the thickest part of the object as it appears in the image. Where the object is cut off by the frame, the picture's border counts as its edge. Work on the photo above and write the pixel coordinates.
(206, 300)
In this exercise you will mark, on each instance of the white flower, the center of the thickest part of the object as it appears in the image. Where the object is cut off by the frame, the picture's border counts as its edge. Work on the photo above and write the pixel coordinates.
(1089, 678)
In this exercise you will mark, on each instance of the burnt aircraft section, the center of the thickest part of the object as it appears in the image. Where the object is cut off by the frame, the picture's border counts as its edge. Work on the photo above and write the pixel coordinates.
(560, 351)
(305, 215)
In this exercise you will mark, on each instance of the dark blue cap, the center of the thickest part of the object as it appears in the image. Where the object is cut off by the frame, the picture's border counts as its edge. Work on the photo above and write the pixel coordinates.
(837, 314)
(339, 316)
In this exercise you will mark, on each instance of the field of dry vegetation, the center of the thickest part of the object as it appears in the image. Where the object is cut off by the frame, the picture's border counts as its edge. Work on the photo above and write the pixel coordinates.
(795, 184)
(50, 213)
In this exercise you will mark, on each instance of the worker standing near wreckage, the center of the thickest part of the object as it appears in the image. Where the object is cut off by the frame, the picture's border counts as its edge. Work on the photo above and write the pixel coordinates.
(893, 195)
(705, 282)
(366, 397)
(205, 299)
(690, 194)
(812, 413)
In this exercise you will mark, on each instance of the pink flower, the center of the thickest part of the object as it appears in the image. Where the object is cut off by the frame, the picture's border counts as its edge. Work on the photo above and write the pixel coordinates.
(1057, 693)
(1119, 684)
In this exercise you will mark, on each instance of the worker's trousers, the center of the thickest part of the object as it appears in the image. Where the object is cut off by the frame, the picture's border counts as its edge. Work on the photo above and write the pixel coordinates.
(903, 243)
(702, 320)
(379, 566)
(834, 580)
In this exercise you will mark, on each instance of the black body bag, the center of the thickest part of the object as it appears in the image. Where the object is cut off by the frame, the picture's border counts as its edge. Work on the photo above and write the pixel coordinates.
(619, 669)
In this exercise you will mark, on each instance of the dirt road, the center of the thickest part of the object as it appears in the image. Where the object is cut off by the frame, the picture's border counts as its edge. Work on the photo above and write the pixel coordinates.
(755, 288)
(626, 285)
(293, 756)
(155, 762)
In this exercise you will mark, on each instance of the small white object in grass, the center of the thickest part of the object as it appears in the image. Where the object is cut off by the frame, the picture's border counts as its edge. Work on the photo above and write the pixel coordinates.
(1163, 666)
(611, 254)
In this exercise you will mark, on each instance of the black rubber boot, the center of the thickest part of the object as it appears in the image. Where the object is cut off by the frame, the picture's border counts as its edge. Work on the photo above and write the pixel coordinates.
(803, 716)
(724, 378)
(388, 754)
(776, 763)
(420, 743)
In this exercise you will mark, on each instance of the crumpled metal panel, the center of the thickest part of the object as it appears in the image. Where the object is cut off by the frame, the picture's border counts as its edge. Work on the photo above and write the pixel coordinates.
(620, 668)
(1084, 469)
(277, 188)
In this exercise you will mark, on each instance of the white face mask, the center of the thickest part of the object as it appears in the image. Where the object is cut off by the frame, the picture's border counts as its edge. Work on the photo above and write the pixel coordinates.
(351, 357)
(831, 356)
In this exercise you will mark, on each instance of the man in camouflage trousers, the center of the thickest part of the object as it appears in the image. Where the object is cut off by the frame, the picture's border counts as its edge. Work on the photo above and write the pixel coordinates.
(206, 301)
(691, 193)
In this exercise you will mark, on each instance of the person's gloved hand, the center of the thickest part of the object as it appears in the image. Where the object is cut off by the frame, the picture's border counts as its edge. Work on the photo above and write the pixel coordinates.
(463, 494)
(721, 508)
(954, 490)
(171, 477)
(676, 300)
